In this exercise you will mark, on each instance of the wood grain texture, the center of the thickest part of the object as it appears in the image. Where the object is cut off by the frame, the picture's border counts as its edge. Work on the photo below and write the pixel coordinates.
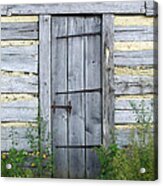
(134, 33)
(92, 164)
(45, 73)
(59, 83)
(76, 121)
(127, 116)
(127, 84)
(76, 163)
(20, 59)
(24, 111)
(20, 137)
(126, 104)
(123, 134)
(15, 31)
(59, 80)
(61, 165)
(19, 132)
(107, 79)
(135, 58)
(136, 7)
(19, 84)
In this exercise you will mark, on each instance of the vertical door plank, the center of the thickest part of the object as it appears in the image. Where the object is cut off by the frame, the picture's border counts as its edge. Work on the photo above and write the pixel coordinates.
(107, 77)
(45, 71)
(76, 163)
(92, 100)
(59, 83)
(76, 121)
(61, 163)
(92, 164)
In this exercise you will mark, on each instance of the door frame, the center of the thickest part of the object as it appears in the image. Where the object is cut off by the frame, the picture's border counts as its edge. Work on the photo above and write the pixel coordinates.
(45, 56)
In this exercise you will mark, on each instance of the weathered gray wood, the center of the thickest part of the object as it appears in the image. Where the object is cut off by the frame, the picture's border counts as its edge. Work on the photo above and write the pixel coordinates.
(76, 82)
(26, 111)
(12, 31)
(93, 27)
(135, 7)
(19, 132)
(126, 104)
(134, 33)
(76, 163)
(107, 78)
(126, 84)
(16, 84)
(61, 163)
(92, 80)
(135, 58)
(127, 116)
(92, 164)
(45, 75)
(124, 135)
(151, 8)
(59, 83)
(93, 125)
(76, 122)
(20, 58)
(59, 79)
(6, 145)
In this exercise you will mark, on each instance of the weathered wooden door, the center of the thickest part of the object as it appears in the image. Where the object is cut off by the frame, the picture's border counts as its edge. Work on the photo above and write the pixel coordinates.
(76, 94)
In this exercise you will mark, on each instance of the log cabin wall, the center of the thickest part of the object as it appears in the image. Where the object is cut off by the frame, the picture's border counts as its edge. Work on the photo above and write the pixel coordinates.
(134, 72)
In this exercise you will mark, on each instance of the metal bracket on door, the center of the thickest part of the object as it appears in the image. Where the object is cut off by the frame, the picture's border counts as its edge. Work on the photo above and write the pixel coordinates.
(66, 107)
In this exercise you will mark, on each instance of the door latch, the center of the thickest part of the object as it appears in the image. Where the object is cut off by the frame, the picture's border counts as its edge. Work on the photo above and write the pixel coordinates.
(66, 107)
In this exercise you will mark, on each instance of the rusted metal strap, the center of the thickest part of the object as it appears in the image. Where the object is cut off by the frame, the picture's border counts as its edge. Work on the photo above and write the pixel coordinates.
(81, 91)
(79, 35)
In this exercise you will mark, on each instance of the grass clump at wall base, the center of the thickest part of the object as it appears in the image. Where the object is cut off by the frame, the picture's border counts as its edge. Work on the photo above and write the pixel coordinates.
(126, 163)
(34, 164)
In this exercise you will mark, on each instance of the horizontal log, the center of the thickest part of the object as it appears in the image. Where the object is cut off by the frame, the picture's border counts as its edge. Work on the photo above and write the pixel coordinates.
(18, 132)
(135, 20)
(28, 104)
(23, 111)
(6, 145)
(19, 84)
(135, 33)
(135, 58)
(19, 19)
(20, 137)
(135, 7)
(133, 84)
(133, 45)
(123, 135)
(11, 31)
(126, 104)
(128, 116)
(19, 114)
(22, 58)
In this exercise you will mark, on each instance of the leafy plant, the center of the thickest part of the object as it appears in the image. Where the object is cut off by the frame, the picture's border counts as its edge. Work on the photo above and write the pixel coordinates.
(125, 163)
(37, 163)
